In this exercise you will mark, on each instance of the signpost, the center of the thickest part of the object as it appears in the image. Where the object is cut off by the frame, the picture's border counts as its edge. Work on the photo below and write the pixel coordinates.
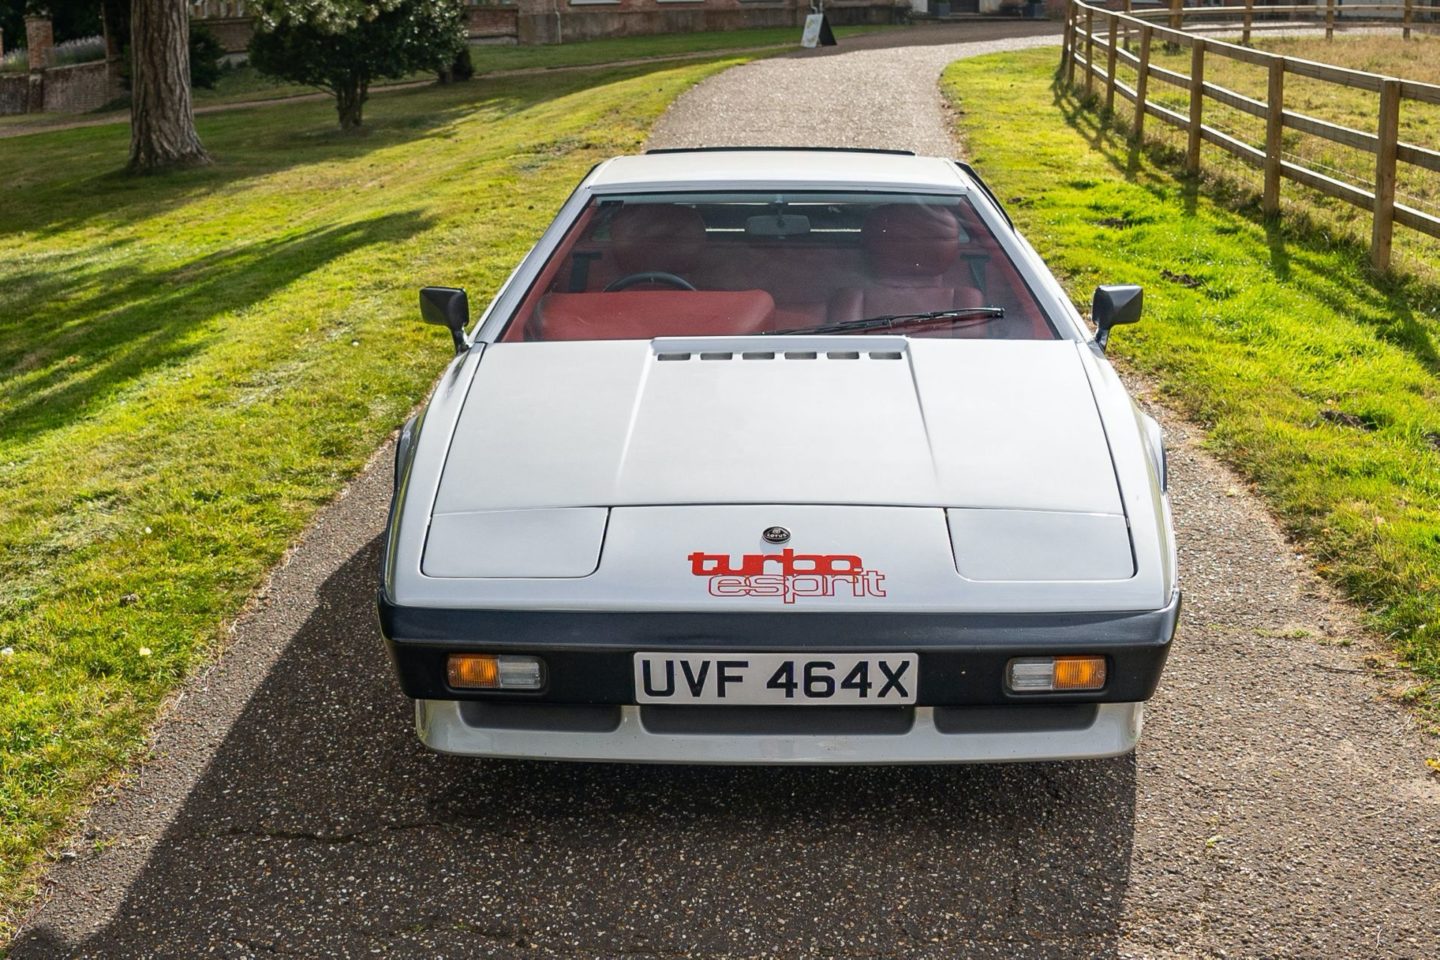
(817, 31)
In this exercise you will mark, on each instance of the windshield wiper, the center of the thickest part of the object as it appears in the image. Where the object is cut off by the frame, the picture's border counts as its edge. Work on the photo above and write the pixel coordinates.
(895, 320)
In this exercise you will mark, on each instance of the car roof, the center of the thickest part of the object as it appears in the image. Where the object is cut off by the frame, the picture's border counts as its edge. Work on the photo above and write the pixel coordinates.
(780, 168)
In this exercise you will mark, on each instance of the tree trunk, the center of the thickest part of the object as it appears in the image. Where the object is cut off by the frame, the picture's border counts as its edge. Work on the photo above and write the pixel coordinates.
(350, 103)
(162, 123)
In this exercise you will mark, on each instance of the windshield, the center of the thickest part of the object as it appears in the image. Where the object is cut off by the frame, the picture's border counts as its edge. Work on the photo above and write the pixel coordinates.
(737, 264)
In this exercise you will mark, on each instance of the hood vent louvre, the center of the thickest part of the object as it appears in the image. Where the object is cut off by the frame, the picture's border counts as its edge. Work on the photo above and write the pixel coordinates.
(788, 355)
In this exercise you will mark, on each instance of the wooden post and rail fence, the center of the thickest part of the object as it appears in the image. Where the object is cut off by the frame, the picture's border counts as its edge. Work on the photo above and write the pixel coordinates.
(1094, 33)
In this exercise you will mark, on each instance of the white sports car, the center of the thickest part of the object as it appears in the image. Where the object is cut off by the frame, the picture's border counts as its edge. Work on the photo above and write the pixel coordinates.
(780, 456)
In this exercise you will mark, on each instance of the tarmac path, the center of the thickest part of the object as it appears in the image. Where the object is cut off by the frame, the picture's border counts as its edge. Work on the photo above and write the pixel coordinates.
(1278, 805)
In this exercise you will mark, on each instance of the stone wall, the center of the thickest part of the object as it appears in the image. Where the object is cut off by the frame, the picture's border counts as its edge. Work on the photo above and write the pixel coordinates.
(14, 93)
(845, 13)
(233, 33)
(492, 23)
(76, 89)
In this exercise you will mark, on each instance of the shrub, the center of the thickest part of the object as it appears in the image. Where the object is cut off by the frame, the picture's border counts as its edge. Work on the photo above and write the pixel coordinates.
(343, 45)
(205, 54)
(84, 50)
(461, 68)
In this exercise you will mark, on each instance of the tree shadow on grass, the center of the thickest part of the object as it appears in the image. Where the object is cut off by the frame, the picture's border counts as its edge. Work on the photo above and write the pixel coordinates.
(56, 182)
(322, 827)
(85, 187)
(1397, 307)
(142, 321)
(1101, 131)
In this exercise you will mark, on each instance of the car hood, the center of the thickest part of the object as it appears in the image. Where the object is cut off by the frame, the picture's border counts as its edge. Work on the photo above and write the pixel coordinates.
(879, 421)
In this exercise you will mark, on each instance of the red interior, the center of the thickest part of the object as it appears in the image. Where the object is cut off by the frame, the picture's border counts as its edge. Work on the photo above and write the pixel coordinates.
(884, 258)
(641, 315)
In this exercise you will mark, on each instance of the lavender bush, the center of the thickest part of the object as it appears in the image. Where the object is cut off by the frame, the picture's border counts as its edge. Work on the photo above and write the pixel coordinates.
(84, 50)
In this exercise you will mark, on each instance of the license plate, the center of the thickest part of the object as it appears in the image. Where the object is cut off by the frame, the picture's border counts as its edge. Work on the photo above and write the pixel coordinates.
(777, 679)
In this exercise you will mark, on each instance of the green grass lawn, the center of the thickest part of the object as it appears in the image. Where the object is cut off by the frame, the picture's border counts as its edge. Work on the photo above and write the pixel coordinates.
(1417, 59)
(1316, 380)
(195, 363)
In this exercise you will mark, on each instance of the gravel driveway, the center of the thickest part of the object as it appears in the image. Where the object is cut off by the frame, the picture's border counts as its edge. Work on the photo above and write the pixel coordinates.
(842, 96)
(1278, 805)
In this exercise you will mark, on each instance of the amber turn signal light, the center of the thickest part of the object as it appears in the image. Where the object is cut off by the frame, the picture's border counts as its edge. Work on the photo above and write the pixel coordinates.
(486, 671)
(1079, 673)
(1055, 674)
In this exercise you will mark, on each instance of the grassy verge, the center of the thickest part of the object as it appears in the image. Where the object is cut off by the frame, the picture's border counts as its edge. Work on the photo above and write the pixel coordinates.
(1316, 380)
(1418, 59)
(195, 363)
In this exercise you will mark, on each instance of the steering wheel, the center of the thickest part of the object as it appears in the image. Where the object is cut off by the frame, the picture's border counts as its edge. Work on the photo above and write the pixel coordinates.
(650, 276)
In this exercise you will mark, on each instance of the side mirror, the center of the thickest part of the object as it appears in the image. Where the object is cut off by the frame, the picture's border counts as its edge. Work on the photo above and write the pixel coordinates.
(1113, 305)
(449, 307)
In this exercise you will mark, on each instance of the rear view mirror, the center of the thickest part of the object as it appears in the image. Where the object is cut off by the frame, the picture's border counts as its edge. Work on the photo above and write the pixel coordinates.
(778, 225)
(450, 308)
(1113, 305)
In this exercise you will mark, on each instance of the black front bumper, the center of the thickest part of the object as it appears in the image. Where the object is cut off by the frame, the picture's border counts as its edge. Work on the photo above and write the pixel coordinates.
(588, 654)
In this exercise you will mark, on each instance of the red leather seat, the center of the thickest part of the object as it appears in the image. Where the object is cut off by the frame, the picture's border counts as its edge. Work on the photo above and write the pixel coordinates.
(908, 249)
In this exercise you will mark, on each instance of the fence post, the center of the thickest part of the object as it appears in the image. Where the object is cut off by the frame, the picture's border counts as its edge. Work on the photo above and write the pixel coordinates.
(1129, 9)
(1071, 25)
(1177, 22)
(1089, 51)
(1110, 65)
(1065, 40)
(1329, 19)
(1197, 100)
(1274, 121)
(1389, 133)
(1249, 18)
(1409, 16)
(1142, 81)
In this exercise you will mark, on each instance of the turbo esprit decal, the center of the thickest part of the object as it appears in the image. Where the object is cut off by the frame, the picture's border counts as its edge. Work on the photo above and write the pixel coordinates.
(787, 575)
